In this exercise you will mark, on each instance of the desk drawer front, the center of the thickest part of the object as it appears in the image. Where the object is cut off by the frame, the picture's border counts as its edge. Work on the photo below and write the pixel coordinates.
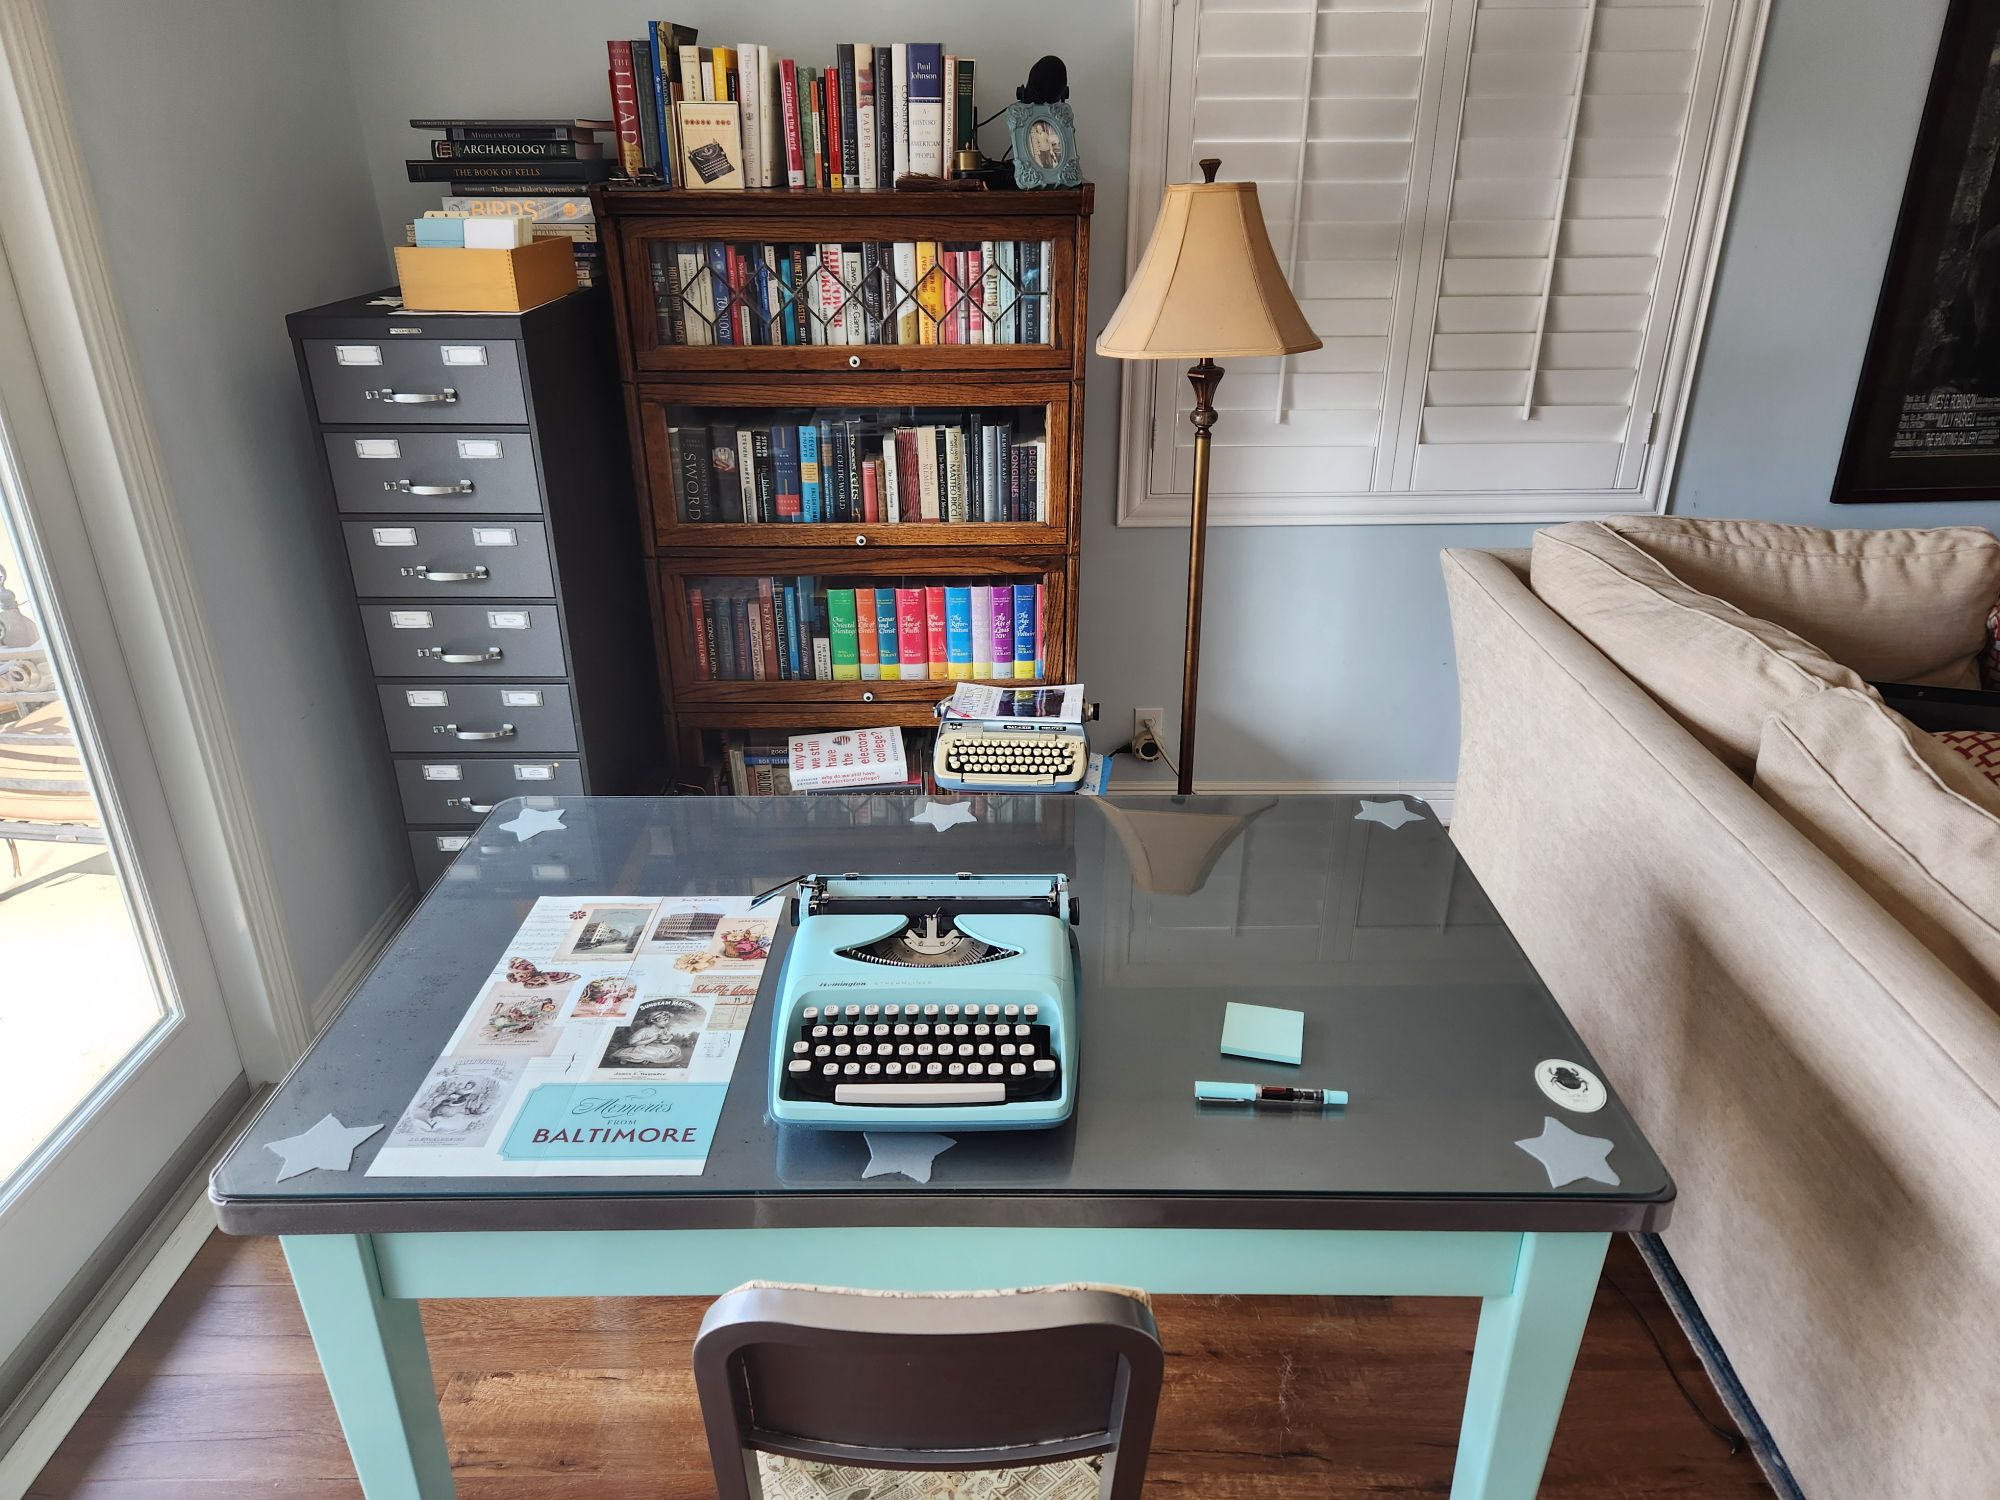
(462, 790)
(463, 640)
(424, 382)
(434, 473)
(446, 559)
(459, 717)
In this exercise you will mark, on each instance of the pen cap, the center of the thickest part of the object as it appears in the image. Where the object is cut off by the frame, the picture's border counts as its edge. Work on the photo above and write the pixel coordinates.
(1231, 1093)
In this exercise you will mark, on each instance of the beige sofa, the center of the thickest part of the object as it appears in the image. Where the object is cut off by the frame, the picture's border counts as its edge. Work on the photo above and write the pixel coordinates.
(1825, 1090)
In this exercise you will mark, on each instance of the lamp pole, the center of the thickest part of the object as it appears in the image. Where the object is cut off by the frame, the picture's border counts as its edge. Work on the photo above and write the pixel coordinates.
(1204, 377)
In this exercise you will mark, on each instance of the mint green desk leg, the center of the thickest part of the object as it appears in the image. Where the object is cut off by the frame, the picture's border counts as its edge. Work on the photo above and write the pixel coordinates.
(1521, 1365)
(371, 1348)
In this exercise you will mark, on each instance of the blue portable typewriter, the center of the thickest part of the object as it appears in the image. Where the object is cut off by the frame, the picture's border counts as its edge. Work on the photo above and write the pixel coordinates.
(927, 1002)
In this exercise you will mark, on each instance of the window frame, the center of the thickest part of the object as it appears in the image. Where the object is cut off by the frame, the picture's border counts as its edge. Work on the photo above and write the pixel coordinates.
(1147, 388)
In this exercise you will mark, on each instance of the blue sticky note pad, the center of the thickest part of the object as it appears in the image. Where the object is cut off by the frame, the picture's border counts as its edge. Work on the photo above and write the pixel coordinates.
(1263, 1032)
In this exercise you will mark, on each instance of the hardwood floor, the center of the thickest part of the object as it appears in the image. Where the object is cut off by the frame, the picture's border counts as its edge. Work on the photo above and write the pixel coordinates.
(221, 1399)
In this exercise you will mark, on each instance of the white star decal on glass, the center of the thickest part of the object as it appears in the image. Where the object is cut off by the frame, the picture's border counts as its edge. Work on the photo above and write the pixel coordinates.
(328, 1146)
(1567, 1156)
(943, 815)
(911, 1155)
(1391, 815)
(530, 821)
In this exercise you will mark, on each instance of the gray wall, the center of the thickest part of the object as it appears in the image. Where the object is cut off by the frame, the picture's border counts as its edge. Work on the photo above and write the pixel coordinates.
(222, 148)
(1327, 650)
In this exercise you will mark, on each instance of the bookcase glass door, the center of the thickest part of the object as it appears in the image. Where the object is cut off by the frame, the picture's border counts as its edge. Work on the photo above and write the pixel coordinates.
(793, 633)
(938, 466)
(909, 293)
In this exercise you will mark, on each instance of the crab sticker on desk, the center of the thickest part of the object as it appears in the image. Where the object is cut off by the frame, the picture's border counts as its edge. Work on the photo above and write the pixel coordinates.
(602, 1044)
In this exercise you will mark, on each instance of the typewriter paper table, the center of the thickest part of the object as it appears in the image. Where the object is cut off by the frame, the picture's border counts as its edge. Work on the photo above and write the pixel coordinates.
(1417, 1002)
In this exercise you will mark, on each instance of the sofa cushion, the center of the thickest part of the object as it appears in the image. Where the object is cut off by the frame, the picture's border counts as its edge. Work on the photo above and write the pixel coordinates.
(1896, 606)
(1899, 605)
(1718, 670)
(1913, 823)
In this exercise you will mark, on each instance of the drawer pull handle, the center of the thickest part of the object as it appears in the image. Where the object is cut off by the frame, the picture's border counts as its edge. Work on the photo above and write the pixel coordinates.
(504, 732)
(468, 804)
(405, 487)
(478, 574)
(460, 658)
(447, 397)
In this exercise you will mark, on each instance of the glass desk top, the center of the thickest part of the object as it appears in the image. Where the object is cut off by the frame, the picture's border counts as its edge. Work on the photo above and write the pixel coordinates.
(1417, 1002)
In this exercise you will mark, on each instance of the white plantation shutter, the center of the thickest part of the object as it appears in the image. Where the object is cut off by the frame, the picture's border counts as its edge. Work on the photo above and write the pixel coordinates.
(1498, 214)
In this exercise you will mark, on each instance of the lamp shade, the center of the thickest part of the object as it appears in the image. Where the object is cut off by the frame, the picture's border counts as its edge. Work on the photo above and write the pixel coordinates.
(1209, 285)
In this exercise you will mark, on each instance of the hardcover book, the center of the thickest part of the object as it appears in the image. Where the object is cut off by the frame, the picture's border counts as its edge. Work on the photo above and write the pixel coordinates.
(926, 106)
(711, 145)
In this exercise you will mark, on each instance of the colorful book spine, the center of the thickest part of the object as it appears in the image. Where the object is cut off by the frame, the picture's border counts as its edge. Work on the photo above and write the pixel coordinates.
(885, 109)
(797, 651)
(866, 645)
(1027, 634)
(982, 630)
(871, 490)
(666, 91)
(722, 324)
(625, 110)
(958, 633)
(767, 619)
(754, 620)
(699, 646)
(926, 106)
(929, 298)
(838, 78)
(888, 634)
(809, 473)
(912, 635)
(788, 96)
(1001, 606)
(844, 647)
(909, 481)
(903, 263)
(642, 96)
(785, 471)
(934, 632)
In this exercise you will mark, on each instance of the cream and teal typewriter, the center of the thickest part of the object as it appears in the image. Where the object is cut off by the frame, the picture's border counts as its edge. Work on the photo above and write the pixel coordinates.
(927, 1002)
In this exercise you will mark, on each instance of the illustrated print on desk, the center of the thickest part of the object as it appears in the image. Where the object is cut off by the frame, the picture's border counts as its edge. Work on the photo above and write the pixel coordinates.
(522, 971)
(739, 943)
(328, 1146)
(530, 821)
(1569, 1157)
(1391, 815)
(604, 930)
(1571, 1085)
(606, 999)
(683, 931)
(910, 1155)
(662, 1035)
(512, 1022)
(458, 1103)
(943, 815)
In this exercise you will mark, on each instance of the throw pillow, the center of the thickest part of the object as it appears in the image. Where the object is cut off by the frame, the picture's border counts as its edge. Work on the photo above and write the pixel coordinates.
(1718, 670)
(1915, 825)
(1981, 747)
(1896, 606)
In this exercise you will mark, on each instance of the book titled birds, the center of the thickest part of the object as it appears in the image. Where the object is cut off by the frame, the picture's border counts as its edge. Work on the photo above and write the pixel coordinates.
(875, 113)
(878, 629)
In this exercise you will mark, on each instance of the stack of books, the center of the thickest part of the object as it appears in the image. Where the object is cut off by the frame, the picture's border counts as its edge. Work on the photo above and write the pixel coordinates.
(804, 629)
(740, 116)
(770, 763)
(535, 171)
(798, 466)
(908, 292)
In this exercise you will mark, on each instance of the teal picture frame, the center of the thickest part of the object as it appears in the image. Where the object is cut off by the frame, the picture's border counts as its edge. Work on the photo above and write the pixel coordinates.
(1043, 137)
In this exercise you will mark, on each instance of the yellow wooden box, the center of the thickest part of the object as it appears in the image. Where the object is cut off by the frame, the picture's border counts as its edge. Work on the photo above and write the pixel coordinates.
(441, 279)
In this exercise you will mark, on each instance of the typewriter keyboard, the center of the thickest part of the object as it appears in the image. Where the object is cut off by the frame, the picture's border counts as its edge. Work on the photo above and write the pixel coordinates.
(920, 1054)
(1026, 760)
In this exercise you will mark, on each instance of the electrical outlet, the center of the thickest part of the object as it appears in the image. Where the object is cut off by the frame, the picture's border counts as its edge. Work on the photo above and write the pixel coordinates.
(1146, 726)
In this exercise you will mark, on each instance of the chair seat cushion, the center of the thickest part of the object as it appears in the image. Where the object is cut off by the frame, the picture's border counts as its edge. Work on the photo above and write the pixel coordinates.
(1895, 605)
(796, 1479)
(1914, 824)
(1718, 670)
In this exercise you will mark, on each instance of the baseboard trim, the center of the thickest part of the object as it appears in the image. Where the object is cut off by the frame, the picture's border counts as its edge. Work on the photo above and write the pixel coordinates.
(1721, 1373)
(347, 978)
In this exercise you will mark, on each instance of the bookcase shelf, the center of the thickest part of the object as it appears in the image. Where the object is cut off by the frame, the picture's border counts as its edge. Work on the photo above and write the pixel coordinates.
(679, 395)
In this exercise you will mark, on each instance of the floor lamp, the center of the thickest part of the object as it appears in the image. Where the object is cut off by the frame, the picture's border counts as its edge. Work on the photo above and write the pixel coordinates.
(1208, 285)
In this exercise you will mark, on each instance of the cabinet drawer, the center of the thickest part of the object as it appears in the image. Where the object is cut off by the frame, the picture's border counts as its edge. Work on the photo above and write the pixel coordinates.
(459, 716)
(431, 849)
(434, 473)
(418, 381)
(441, 789)
(440, 559)
(463, 640)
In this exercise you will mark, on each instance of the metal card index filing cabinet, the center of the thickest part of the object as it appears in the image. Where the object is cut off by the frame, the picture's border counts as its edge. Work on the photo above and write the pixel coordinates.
(479, 466)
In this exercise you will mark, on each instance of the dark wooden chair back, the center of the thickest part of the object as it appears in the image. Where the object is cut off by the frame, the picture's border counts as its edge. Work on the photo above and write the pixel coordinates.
(939, 1382)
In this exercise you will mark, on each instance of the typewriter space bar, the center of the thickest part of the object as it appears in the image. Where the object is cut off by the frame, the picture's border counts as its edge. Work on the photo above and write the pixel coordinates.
(920, 1093)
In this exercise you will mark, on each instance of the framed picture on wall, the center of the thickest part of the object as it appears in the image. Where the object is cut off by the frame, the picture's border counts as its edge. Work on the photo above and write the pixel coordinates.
(1926, 419)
